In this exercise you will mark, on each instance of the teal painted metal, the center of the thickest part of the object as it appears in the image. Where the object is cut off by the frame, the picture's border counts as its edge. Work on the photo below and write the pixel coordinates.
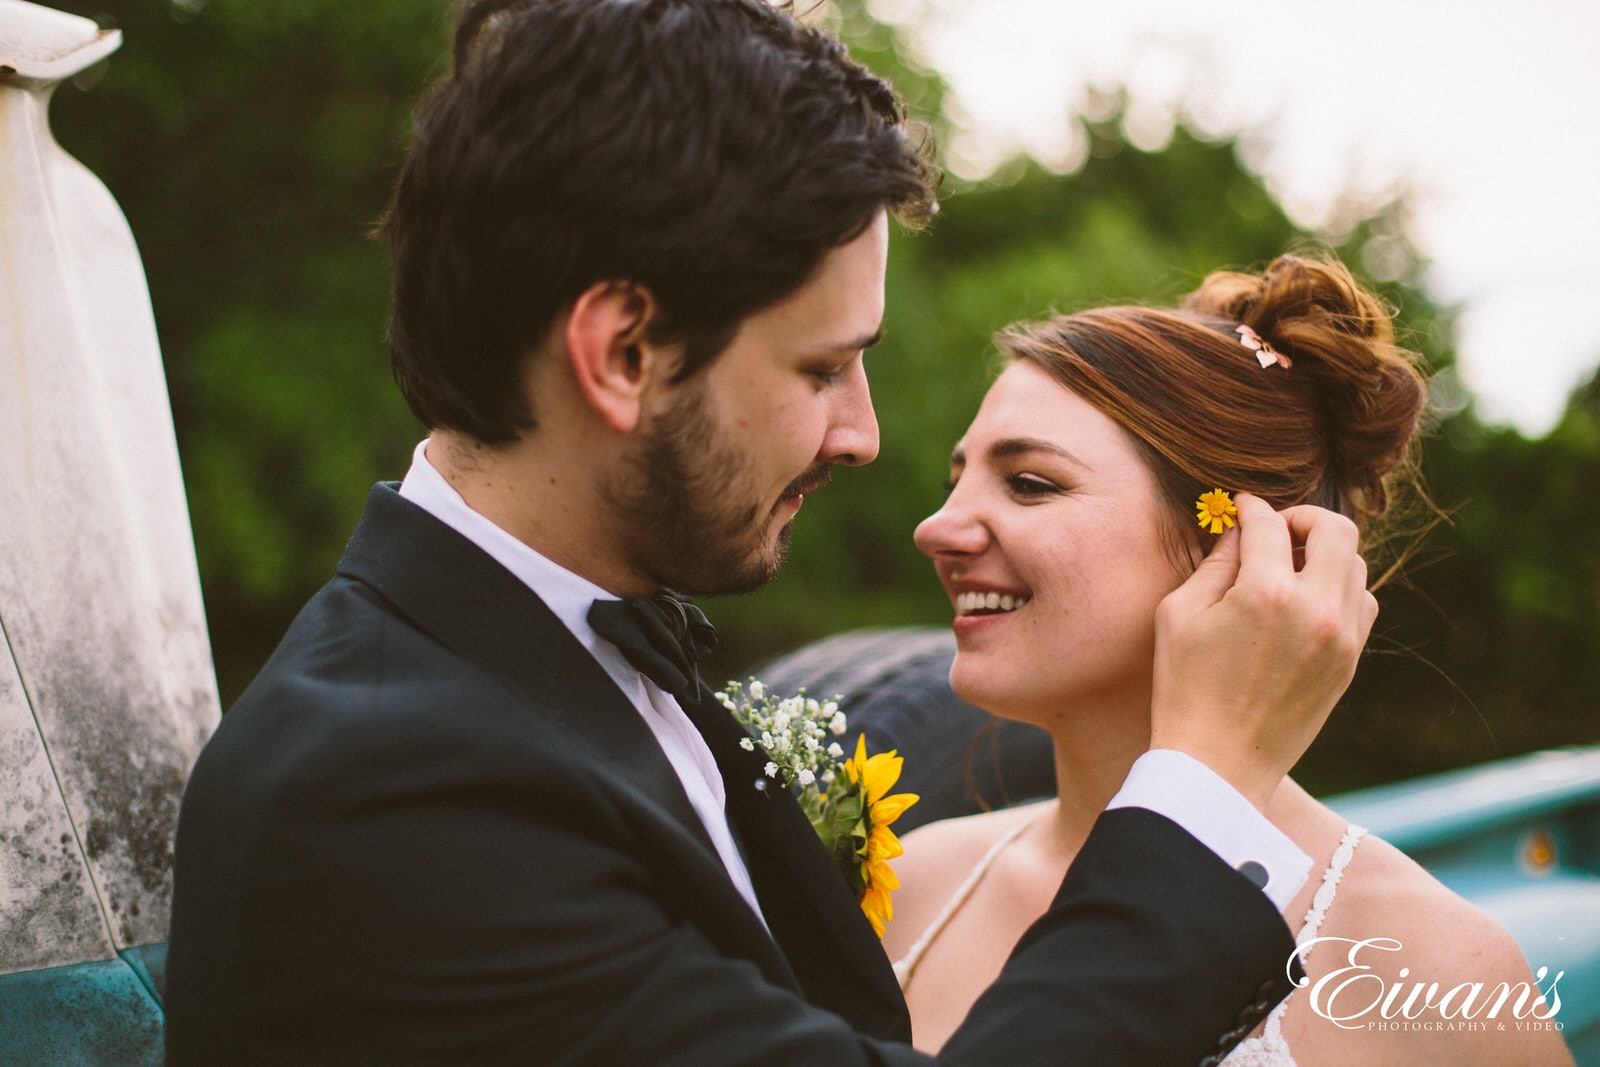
(149, 962)
(87, 1015)
(1421, 812)
(1520, 838)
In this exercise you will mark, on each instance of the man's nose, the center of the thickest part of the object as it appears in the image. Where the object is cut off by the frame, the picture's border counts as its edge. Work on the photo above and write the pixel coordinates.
(853, 432)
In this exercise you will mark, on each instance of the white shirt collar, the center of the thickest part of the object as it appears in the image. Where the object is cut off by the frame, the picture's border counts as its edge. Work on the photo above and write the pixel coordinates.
(568, 595)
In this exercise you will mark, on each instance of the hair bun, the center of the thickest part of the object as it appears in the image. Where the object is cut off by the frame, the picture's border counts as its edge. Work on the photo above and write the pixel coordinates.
(1341, 338)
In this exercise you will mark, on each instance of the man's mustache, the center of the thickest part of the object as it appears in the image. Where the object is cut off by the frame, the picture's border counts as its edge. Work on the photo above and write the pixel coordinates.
(810, 481)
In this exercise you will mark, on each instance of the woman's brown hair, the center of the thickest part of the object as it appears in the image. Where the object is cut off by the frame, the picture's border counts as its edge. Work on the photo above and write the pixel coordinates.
(1334, 427)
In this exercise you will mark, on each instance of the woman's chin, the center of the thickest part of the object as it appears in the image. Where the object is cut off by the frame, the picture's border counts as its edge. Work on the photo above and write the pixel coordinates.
(961, 678)
(978, 686)
(1005, 691)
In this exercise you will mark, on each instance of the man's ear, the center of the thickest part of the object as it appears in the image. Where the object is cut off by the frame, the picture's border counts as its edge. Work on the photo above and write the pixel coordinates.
(611, 357)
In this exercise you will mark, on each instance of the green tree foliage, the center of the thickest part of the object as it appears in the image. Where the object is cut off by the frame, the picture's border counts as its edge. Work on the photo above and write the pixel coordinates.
(253, 145)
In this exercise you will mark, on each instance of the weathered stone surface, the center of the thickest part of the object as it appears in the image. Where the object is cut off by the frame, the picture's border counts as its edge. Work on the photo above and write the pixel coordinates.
(99, 597)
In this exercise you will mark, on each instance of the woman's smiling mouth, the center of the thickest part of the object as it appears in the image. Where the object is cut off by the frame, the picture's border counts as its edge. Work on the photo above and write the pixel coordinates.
(990, 603)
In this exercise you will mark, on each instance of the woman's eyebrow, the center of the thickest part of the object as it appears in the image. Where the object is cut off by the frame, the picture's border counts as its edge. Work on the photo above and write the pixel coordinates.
(1008, 447)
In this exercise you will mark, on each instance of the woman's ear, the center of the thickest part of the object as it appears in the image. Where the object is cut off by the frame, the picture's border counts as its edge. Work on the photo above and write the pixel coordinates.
(612, 359)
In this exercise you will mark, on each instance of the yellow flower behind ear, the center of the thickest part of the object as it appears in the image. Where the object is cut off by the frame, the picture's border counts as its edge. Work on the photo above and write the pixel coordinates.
(1216, 509)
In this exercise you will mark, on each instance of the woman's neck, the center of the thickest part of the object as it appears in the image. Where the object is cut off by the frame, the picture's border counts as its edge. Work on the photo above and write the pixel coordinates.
(1094, 749)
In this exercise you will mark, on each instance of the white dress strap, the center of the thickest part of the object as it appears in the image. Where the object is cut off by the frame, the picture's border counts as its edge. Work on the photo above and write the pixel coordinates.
(1323, 900)
(1270, 1049)
(906, 965)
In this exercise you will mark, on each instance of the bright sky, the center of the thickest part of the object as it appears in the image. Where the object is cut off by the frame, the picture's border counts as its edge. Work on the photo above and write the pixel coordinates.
(1488, 113)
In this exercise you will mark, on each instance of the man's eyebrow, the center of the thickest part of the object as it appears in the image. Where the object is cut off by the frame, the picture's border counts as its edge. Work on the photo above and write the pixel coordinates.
(859, 344)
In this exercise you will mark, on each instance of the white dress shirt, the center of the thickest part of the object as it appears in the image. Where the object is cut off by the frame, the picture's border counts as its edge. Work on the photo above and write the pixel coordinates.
(569, 597)
(1164, 781)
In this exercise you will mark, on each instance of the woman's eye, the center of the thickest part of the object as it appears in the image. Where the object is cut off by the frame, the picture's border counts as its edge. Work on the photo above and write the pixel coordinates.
(1028, 485)
(828, 375)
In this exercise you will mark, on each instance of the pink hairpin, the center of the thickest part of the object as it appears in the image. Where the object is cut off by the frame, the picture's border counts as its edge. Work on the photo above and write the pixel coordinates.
(1266, 355)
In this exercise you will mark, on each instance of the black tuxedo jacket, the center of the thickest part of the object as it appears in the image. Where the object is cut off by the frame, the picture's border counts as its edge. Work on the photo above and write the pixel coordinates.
(433, 831)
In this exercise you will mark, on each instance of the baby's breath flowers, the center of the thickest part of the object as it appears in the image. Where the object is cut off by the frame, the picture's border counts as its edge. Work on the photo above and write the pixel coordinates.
(1216, 509)
(847, 801)
(794, 731)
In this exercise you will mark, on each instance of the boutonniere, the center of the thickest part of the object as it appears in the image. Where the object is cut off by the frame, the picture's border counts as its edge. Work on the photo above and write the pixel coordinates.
(847, 800)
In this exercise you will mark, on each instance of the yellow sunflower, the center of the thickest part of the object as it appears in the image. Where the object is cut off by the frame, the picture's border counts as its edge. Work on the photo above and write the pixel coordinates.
(876, 775)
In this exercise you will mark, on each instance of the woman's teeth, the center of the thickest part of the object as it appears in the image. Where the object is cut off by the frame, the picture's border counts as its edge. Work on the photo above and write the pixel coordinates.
(974, 603)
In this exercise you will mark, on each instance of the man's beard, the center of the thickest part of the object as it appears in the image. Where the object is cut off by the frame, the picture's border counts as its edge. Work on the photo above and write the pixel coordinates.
(693, 510)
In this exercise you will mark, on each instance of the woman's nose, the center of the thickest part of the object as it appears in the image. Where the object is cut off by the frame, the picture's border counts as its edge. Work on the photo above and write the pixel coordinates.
(952, 530)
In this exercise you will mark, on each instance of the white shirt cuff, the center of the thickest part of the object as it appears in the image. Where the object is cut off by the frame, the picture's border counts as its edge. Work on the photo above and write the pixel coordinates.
(1183, 789)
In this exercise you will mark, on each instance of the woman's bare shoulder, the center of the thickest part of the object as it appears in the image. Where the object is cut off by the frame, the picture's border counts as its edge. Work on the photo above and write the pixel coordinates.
(950, 848)
(1385, 894)
(938, 857)
(1391, 895)
(1395, 921)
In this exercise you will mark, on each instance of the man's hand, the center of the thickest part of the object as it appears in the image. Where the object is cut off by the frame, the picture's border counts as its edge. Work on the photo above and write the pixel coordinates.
(1252, 652)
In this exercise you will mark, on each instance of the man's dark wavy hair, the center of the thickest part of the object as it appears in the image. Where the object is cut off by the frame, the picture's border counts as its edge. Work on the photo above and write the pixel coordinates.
(711, 151)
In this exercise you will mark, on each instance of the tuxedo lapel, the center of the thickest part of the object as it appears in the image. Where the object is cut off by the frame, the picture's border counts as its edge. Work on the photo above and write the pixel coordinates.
(838, 960)
(446, 586)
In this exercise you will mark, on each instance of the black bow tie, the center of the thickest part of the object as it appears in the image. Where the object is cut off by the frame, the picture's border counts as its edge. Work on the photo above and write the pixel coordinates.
(664, 636)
